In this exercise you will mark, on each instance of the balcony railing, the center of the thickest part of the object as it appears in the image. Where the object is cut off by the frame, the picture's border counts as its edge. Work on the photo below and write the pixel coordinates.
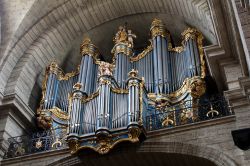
(213, 108)
(37, 142)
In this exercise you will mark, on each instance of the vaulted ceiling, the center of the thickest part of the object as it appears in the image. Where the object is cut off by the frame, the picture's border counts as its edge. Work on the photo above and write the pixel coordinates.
(54, 30)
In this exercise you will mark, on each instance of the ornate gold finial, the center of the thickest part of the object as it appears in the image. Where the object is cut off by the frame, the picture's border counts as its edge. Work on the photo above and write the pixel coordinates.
(157, 28)
(190, 33)
(84, 49)
(88, 48)
(86, 41)
(157, 22)
(133, 73)
(105, 68)
(53, 68)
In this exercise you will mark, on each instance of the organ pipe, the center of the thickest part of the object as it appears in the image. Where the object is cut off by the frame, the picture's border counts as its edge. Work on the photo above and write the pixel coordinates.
(100, 98)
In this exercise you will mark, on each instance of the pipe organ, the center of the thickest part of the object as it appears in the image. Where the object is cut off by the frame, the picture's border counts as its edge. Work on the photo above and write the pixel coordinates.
(101, 104)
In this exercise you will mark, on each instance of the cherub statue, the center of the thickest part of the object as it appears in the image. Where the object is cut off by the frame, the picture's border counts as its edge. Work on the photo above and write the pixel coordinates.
(105, 68)
(130, 38)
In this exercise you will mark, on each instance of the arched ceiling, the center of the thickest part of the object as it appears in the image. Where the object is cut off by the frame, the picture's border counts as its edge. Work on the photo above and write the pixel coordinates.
(146, 159)
(54, 30)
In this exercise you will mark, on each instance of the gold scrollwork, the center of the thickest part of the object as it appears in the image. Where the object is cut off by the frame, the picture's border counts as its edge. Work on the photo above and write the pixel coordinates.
(212, 112)
(91, 97)
(103, 144)
(104, 81)
(119, 90)
(57, 112)
(56, 143)
(142, 54)
(195, 86)
(167, 121)
(54, 68)
(177, 49)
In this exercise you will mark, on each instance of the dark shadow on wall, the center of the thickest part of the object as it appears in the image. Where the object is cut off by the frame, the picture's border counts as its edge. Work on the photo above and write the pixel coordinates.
(35, 97)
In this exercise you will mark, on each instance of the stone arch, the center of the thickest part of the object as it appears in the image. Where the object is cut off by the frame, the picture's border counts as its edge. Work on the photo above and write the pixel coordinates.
(202, 153)
(50, 36)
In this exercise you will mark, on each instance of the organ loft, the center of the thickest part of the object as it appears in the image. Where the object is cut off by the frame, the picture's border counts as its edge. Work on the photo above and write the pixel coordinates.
(101, 104)
(124, 82)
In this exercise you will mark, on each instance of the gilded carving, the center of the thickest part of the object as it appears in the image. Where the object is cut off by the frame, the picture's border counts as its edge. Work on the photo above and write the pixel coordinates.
(88, 48)
(142, 54)
(124, 36)
(73, 145)
(103, 144)
(124, 42)
(158, 29)
(133, 73)
(119, 90)
(105, 68)
(44, 120)
(57, 112)
(77, 86)
(195, 86)
(134, 134)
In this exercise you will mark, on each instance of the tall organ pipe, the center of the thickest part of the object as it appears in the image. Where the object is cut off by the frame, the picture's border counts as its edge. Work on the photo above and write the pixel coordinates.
(103, 106)
(76, 109)
(133, 99)
(51, 86)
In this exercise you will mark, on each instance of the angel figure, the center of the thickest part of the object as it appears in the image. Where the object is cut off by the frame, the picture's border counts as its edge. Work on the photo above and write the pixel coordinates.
(121, 35)
(130, 38)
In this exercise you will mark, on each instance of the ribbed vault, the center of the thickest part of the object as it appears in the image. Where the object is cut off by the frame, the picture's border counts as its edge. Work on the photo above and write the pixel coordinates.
(54, 29)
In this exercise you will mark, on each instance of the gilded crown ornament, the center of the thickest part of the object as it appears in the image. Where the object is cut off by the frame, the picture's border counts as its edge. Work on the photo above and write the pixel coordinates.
(158, 29)
(88, 48)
